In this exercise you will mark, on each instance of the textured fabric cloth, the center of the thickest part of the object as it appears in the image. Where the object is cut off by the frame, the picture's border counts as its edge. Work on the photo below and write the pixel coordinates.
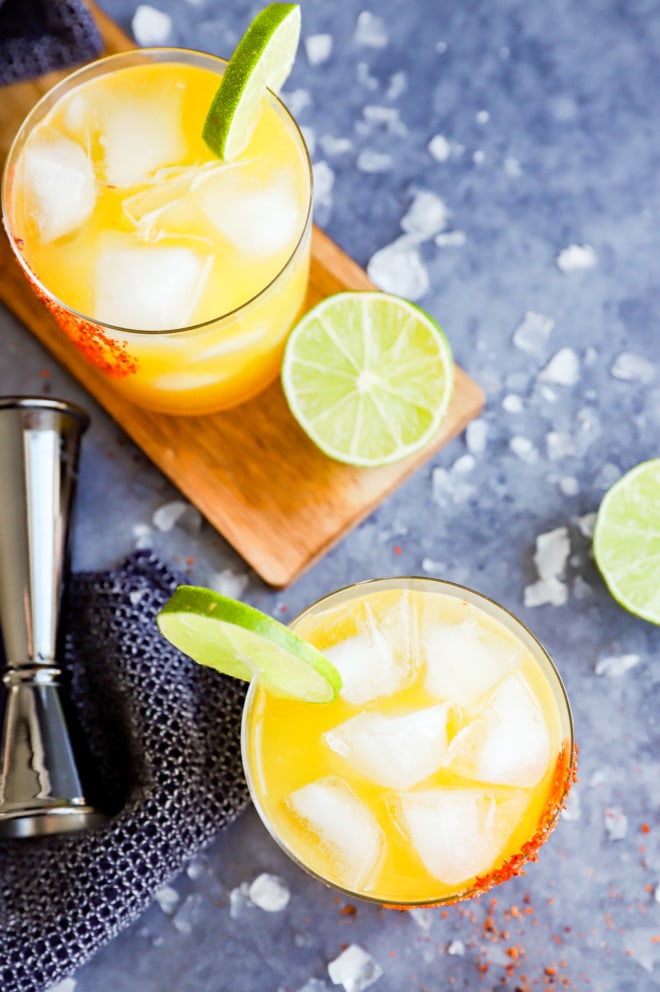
(163, 735)
(38, 36)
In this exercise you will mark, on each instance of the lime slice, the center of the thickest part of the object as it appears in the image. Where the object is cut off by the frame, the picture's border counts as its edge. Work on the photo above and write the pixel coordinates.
(262, 59)
(627, 540)
(368, 376)
(238, 640)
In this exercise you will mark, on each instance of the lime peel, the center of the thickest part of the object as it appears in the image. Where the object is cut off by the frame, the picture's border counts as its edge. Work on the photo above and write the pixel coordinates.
(368, 376)
(262, 60)
(238, 640)
(626, 541)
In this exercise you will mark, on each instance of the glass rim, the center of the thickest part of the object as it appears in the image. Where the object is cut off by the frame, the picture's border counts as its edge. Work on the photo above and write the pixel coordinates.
(51, 96)
(555, 803)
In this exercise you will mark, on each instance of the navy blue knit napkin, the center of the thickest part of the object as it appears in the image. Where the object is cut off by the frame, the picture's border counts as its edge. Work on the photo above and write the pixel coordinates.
(38, 36)
(163, 738)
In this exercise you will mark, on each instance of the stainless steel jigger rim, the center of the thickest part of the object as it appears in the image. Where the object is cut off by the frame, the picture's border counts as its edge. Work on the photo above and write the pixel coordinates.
(44, 403)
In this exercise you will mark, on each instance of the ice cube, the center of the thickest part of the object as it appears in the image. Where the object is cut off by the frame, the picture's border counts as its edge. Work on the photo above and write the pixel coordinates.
(396, 751)
(60, 184)
(371, 663)
(344, 826)
(269, 892)
(458, 833)
(355, 969)
(141, 135)
(464, 661)
(147, 287)
(258, 217)
(507, 742)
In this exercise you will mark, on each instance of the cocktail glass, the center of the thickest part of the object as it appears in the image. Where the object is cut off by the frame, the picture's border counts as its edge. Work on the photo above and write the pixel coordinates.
(442, 766)
(176, 275)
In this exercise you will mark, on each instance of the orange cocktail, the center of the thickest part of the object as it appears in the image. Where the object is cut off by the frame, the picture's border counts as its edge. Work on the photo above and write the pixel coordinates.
(177, 275)
(443, 763)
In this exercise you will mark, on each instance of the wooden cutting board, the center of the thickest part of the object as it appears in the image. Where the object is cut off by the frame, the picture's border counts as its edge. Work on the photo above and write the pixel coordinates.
(251, 471)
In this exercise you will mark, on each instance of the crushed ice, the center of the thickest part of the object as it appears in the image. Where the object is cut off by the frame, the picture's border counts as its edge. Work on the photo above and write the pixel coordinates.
(586, 524)
(318, 48)
(576, 257)
(524, 449)
(531, 334)
(269, 892)
(355, 969)
(370, 30)
(150, 26)
(229, 583)
(449, 486)
(372, 162)
(569, 485)
(439, 148)
(563, 368)
(632, 368)
(177, 512)
(450, 239)
(550, 557)
(572, 810)
(426, 215)
(167, 898)
(67, 985)
(616, 823)
(512, 403)
(398, 268)
(559, 444)
(615, 665)
(191, 913)
(476, 436)
(456, 947)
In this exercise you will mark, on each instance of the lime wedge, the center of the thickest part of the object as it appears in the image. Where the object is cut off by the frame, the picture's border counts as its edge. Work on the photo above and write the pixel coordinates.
(262, 60)
(368, 376)
(239, 640)
(626, 540)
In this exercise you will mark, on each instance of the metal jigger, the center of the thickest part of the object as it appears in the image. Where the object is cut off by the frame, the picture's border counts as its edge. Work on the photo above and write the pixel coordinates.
(40, 788)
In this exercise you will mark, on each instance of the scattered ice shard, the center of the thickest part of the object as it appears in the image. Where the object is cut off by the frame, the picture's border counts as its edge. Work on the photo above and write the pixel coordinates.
(458, 833)
(616, 823)
(463, 661)
(532, 334)
(269, 892)
(615, 665)
(632, 368)
(398, 268)
(476, 436)
(140, 136)
(343, 825)
(559, 444)
(258, 219)
(396, 751)
(373, 162)
(550, 557)
(376, 661)
(563, 368)
(370, 30)
(167, 898)
(426, 215)
(229, 583)
(318, 48)
(439, 148)
(355, 969)
(507, 743)
(576, 257)
(60, 183)
(150, 26)
(147, 287)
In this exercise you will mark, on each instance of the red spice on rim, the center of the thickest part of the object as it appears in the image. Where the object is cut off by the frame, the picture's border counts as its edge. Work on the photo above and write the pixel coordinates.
(108, 354)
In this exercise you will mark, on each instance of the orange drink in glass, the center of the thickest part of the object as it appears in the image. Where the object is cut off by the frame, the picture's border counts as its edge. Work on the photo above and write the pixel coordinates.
(442, 765)
(176, 274)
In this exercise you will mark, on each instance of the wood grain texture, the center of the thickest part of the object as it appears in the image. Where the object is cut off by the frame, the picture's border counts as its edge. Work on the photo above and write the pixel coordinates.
(251, 471)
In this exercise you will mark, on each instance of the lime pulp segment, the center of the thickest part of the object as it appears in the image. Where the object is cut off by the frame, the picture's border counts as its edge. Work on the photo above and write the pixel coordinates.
(241, 641)
(262, 60)
(368, 376)
(626, 540)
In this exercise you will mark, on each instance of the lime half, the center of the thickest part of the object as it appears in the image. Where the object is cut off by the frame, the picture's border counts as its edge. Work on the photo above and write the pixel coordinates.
(239, 640)
(627, 540)
(368, 376)
(262, 60)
